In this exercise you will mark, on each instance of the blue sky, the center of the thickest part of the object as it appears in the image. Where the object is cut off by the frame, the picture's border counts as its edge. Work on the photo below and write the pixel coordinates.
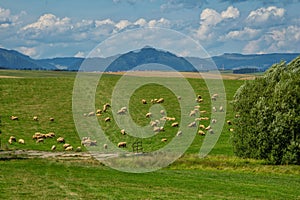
(50, 28)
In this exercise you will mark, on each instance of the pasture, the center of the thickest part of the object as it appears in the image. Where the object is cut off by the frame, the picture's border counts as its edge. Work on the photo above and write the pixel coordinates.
(49, 94)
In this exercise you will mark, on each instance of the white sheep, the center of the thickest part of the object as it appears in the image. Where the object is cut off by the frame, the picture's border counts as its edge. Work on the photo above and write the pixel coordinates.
(200, 132)
(105, 107)
(40, 140)
(11, 139)
(21, 141)
(221, 109)
(193, 124)
(51, 119)
(144, 101)
(214, 109)
(105, 146)
(179, 133)
(107, 119)
(175, 124)
(164, 140)
(148, 115)
(193, 112)
(60, 140)
(91, 114)
(123, 132)
(14, 118)
(35, 118)
(213, 121)
(162, 112)
(69, 148)
(122, 144)
(53, 147)
(66, 145)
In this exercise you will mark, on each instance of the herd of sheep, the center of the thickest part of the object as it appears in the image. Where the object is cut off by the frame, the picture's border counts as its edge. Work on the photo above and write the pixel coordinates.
(86, 141)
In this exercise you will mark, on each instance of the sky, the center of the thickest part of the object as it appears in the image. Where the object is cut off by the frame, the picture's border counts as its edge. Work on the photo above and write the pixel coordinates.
(63, 28)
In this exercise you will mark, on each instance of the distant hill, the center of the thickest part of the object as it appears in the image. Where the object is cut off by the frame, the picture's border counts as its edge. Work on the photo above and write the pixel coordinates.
(11, 59)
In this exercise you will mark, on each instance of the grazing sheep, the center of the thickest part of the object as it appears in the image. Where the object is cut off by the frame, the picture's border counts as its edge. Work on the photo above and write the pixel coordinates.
(107, 119)
(221, 109)
(179, 97)
(91, 114)
(214, 97)
(60, 140)
(202, 111)
(208, 128)
(213, 121)
(170, 118)
(179, 133)
(231, 129)
(237, 116)
(199, 100)
(35, 118)
(21, 141)
(123, 132)
(200, 132)
(161, 128)
(122, 111)
(156, 129)
(164, 140)
(14, 118)
(229, 122)
(154, 123)
(199, 97)
(86, 141)
(105, 107)
(162, 112)
(202, 118)
(211, 131)
(50, 135)
(160, 100)
(197, 107)
(214, 109)
(69, 148)
(122, 144)
(144, 101)
(193, 124)
(11, 139)
(175, 124)
(53, 147)
(51, 119)
(40, 140)
(105, 146)
(99, 112)
(193, 112)
(148, 115)
(66, 145)
(38, 135)
(201, 126)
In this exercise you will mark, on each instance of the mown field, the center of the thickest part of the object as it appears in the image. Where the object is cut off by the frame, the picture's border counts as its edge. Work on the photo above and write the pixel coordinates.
(49, 94)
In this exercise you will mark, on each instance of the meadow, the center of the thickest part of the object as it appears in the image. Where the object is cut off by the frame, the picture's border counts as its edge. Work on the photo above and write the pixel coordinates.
(49, 94)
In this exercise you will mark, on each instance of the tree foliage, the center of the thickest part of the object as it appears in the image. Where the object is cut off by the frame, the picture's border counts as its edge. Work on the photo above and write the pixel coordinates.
(268, 126)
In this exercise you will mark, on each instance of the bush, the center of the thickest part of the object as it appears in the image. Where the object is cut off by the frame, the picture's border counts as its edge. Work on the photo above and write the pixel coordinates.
(268, 126)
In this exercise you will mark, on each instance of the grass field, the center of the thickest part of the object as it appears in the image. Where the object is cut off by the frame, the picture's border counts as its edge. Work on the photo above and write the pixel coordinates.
(49, 94)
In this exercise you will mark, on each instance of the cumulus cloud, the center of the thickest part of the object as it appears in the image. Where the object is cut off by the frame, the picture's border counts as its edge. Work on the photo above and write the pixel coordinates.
(210, 18)
(280, 40)
(244, 34)
(265, 15)
(231, 12)
(162, 22)
(7, 19)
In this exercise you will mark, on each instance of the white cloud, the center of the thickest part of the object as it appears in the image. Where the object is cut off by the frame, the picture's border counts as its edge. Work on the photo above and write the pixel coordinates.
(263, 15)
(140, 22)
(162, 22)
(29, 51)
(277, 40)
(231, 12)
(7, 19)
(245, 34)
(210, 18)
(122, 24)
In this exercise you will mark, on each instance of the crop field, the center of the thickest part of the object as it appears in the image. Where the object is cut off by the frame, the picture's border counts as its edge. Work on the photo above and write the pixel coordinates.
(47, 95)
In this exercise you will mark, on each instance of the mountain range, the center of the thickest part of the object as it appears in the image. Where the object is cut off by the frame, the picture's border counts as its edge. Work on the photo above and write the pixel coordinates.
(147, 58)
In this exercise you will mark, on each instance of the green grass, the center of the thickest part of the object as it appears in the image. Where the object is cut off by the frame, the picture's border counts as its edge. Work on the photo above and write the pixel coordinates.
(49, 94)
(44, 179)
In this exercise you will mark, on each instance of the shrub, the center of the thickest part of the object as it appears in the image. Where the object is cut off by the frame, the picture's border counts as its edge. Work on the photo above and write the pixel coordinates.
(269, 123)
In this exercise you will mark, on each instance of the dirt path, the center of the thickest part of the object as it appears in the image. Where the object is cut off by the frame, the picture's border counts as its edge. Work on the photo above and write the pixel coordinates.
(24, 154)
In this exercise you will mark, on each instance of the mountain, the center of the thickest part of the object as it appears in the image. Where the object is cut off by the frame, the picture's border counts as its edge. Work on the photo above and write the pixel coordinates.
(147, 58)
(10, 59)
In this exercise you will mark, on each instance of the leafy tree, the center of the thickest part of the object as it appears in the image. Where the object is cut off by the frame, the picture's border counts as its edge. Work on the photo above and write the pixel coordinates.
(268, 126)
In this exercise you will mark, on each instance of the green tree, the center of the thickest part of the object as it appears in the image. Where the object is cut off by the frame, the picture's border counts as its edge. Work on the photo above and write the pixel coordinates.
(268, 126)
